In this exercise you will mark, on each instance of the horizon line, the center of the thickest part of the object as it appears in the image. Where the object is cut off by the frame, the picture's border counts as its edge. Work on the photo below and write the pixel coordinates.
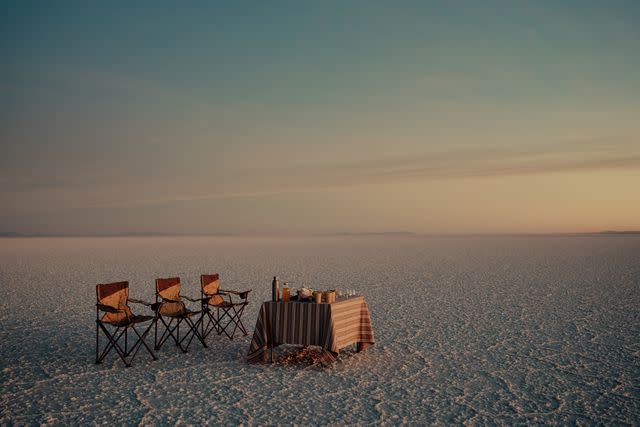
(330, 234)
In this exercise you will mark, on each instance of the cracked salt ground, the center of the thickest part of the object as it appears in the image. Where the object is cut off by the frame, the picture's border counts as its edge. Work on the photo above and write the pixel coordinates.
(476, 331)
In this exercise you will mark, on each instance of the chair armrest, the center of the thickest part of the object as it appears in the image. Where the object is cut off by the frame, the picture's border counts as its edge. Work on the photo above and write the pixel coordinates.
(208, 296)
(154, 306)
(108, 308)
(241, 294)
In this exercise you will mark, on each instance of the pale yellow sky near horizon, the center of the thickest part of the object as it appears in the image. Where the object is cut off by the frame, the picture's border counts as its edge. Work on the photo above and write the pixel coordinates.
(446, 200)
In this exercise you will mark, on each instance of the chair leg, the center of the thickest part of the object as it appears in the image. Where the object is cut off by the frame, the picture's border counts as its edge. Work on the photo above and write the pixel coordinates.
(141, 342)
(175, 337)
(203, 312)
(193, 332)
(113, 344)
(158, 342)
(234, 321)
(97, 341)
(237, 319)
(226, 313)
(235, 324)
(212, 324)
(109, 346)
(128, 353)
(241, 325)
(169, 332)
(144, 335)
(187, 335)
(174, 333)
(155, 336)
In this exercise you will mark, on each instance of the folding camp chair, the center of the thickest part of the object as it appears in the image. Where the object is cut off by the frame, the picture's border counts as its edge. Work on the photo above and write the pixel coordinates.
(227, 314)
(112, 300)
(171, 307)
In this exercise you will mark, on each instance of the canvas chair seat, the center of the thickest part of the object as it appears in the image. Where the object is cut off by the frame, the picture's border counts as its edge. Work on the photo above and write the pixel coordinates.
(128, 320)
(175, 309)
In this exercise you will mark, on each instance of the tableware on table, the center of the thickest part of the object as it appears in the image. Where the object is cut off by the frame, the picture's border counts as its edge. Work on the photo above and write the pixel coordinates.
(275, 294)
(286, 293)
(317, 297)
(305, 294)
(329, 296)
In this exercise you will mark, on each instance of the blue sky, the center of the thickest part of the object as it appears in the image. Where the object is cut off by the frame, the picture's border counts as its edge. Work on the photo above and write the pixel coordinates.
(336, 116)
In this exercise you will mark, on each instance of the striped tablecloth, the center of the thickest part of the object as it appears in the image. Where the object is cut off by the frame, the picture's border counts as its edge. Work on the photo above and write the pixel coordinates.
(330, 326)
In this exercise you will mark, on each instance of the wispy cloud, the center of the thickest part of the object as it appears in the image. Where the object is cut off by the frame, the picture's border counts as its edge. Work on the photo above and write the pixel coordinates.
(521, 167)
(594, 155)
(611, 153)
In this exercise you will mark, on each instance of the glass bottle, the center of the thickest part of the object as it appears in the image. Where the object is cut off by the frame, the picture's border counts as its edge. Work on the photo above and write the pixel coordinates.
(275, 289)
(286, 292)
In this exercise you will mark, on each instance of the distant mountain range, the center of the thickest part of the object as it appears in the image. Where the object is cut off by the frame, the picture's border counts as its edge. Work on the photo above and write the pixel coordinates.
(140, 234)
(373, 233)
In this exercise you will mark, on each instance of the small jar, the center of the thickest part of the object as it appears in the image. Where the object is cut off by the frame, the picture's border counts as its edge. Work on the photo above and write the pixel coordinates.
(326, 297)
(317, 297)
(286, 293)
(332, 296)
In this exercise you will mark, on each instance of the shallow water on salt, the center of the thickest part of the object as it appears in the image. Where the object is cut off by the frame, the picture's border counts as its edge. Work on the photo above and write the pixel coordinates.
(476, 330)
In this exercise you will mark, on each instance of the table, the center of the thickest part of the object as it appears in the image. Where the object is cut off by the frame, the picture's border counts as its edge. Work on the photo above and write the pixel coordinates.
(330, 326)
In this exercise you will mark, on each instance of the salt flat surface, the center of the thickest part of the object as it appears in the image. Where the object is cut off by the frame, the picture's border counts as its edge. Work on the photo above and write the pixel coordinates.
(477, 331)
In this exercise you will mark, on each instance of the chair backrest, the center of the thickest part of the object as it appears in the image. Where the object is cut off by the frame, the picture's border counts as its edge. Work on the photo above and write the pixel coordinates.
(114, 295)
(168, 289)
(210, 285)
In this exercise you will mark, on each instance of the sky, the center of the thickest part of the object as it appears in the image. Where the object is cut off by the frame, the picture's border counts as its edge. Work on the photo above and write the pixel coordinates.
(319, 117)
